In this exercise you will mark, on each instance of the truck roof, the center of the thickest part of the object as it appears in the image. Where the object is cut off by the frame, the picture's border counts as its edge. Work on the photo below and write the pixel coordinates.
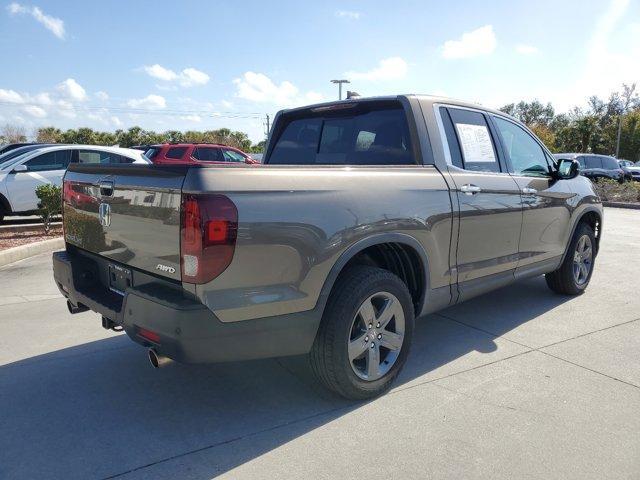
(421, 97)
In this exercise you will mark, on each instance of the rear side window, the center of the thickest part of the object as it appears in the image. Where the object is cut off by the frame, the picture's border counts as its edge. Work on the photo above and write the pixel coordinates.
(58, 160)
(105, 158)
(470, 141)
(176, 152)
(366, 136)
(208, 154)
(581, 161)
(592, 162)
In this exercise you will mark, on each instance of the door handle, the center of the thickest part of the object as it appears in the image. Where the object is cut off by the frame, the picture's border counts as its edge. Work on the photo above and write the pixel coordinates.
(529, 191)
(469, 189)
(106, 188)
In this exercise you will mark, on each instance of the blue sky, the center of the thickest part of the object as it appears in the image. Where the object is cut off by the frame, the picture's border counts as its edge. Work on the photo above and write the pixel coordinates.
(201, 64)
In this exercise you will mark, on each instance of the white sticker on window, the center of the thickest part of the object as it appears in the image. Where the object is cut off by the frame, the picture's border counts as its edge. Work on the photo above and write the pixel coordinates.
(476, 143)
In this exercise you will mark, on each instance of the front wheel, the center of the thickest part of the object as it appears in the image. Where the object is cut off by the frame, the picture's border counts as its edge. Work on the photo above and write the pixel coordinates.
(365, 333)
(573, 276)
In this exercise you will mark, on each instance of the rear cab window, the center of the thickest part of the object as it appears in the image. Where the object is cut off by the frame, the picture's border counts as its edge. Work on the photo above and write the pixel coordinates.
(208, 154)
(152, 152)
(361, 133)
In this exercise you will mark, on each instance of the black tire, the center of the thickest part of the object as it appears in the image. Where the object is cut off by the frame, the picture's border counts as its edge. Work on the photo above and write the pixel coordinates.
(563, 280)
(329, 355)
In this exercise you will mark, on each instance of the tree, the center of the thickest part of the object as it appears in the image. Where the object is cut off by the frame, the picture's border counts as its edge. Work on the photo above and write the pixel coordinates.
(532, 113)
(13, 134)
(629, 100)
(48, 135)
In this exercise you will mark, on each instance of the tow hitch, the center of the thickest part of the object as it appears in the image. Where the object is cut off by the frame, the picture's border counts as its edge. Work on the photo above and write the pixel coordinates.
(109, 324)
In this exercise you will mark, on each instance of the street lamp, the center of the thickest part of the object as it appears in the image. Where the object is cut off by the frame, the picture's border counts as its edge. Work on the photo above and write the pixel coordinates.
(340, 82)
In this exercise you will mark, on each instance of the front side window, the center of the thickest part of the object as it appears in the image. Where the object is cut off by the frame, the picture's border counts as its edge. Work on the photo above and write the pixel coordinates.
(232, 156)
(526, 155)
(58, 160)
(362, 135)
(610, 163)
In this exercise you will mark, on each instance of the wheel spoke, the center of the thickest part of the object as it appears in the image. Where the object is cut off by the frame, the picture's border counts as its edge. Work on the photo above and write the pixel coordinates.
(391, 340)
(373, 361)
(357, 347)
(584, 271)
(581, 243)
(389, 310)
(586, 254)
(367, 313)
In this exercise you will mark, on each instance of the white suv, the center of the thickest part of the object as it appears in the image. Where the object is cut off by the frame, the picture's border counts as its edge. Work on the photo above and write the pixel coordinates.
(20, 176)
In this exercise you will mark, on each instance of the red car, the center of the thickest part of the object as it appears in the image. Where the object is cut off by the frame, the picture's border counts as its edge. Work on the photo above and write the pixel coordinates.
(172, 153)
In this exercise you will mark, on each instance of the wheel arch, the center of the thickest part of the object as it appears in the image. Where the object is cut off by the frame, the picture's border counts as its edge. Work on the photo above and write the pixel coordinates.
(399, 253)
(5, 205)
(592, 217)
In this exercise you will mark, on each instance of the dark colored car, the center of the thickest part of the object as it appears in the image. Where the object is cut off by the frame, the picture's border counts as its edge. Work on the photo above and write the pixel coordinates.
(595, 166)
(194, 153)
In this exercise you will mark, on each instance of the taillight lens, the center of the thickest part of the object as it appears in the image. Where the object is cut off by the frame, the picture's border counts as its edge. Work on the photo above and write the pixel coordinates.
(66, 191)
(207, 236)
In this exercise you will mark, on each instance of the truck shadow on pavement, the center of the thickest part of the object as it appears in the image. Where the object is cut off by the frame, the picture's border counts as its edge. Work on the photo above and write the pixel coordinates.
(98, 410)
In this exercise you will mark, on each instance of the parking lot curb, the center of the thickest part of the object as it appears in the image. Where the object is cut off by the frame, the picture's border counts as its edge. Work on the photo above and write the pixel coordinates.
(25, 251)
(631, 206)
(25, 228)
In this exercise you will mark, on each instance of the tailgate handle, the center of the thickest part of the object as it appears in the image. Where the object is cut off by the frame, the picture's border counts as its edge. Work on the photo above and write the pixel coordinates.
(106, 188)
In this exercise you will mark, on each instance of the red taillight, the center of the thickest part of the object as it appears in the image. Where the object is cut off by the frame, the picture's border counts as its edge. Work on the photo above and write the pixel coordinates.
(149, 335)
(66, 192)
(208, 236)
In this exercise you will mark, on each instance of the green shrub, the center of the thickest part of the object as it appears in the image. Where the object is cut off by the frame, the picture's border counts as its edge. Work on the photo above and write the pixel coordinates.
(50, 203)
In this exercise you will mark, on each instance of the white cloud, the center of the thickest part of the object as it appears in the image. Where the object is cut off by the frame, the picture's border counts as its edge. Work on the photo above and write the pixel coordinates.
(102, 95)
(150, 102)
(116, 121)
(349, 15)
(523, 49)
(72, 90)
(10, 96)
(53, 24)
(313, 97)
(481, 41)
(226, 104)
(189, 77)
(159, 72)
(393, 68)
(257, 87)
(35, 111)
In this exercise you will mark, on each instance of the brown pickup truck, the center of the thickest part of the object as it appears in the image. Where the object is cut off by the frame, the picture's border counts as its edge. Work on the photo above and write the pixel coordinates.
(367, 214)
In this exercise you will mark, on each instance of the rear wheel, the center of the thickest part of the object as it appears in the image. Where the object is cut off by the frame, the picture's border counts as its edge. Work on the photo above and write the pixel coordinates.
(365, 334)
(573, 276)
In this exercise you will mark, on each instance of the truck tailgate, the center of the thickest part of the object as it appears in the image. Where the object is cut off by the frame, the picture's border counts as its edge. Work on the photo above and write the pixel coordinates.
(129, 214)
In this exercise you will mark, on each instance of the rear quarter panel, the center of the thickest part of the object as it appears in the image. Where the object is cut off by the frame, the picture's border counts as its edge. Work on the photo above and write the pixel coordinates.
(296, 222)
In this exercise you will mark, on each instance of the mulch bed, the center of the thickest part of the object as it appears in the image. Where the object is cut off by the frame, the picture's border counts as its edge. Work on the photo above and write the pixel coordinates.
(14, 239)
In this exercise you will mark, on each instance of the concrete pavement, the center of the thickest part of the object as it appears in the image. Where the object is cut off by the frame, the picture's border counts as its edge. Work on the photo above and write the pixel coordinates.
(518, 383)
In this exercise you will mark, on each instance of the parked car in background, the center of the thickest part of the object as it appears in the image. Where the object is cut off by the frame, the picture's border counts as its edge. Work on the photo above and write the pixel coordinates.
(7, 147)
(367, 213)
(20, 176)
(631, 170)
(257, 157)
(194, 153)
(16, 152)
(595, 166)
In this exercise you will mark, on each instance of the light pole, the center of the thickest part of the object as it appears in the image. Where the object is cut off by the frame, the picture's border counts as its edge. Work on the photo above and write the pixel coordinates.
(340, 82)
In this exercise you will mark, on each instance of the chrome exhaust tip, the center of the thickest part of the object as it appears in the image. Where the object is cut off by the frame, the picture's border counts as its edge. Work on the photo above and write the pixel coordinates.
(156, 360)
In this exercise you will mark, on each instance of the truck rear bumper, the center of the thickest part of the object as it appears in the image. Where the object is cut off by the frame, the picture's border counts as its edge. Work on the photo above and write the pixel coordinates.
(187, 331)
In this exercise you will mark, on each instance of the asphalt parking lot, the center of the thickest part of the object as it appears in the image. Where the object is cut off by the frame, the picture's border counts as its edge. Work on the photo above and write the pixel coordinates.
(520, 383)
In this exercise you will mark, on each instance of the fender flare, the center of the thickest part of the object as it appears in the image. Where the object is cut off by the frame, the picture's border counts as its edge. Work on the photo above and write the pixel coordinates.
(365, 243)
(590, 209)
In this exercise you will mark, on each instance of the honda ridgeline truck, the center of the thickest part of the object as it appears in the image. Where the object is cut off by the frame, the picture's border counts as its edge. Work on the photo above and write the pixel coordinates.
(367, 214)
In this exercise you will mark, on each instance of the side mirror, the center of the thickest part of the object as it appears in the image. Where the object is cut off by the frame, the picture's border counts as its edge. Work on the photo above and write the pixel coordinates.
(567, 169)
(19, 168)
